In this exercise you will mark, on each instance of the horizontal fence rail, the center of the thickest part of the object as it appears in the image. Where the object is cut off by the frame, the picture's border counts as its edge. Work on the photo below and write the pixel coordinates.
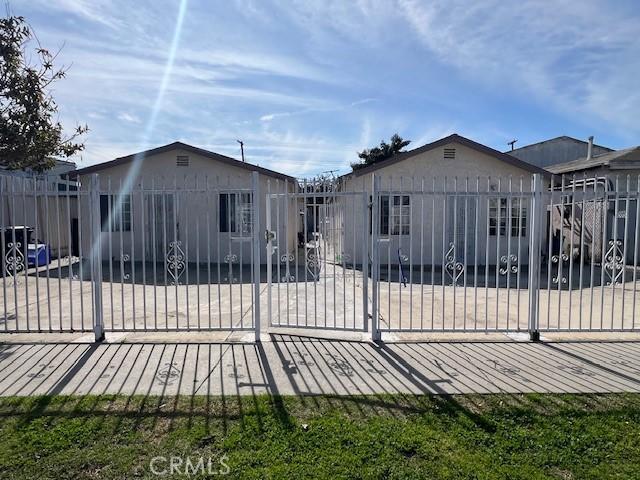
(453, 254)
(360, 253)
(173, 255)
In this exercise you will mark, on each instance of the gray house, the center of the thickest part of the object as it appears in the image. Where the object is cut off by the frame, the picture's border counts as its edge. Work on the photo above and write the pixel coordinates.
(556, 150)
(599, 196)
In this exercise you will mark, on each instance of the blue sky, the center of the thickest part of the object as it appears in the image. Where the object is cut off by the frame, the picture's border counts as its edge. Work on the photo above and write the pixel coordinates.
(307, 84)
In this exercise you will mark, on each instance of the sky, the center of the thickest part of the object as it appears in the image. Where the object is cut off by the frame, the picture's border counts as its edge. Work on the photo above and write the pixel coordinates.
(307, 84)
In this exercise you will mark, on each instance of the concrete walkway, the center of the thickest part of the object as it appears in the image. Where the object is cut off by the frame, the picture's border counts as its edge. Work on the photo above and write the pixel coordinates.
(284, 364)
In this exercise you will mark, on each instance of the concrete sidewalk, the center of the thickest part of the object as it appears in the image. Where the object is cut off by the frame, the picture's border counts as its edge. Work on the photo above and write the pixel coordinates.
(303, 366)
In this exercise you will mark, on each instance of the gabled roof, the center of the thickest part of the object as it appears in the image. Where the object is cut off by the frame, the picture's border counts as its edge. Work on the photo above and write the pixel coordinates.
(557, 139)
(617, 159)
(454, 138)
(188, 148)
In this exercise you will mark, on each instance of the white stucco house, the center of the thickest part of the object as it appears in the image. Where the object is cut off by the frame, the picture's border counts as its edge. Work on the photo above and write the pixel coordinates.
(482, 222)
(177, 192)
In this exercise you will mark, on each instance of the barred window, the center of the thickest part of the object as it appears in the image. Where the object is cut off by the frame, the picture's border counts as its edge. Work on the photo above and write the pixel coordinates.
(395, 214)
(507, 212)
(236, 213)
(112, 218)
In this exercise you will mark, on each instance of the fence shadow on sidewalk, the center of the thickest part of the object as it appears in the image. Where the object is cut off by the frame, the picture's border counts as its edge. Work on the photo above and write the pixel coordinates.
(222, 385)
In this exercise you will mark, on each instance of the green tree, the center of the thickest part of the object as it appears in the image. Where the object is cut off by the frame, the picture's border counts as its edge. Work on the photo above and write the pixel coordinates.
(31, 137)
(385, 150)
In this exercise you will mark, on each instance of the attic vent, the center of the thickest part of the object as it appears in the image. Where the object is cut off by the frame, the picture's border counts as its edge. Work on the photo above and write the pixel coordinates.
(449, 153)
(182, 161)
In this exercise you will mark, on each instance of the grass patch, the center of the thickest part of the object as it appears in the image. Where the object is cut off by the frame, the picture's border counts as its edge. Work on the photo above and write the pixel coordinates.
(385, 437)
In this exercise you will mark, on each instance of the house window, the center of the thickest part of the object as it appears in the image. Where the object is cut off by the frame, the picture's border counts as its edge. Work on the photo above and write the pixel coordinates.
(395, 214)
(503, 213)
(182, 161)
(236, 214)
(112, 218)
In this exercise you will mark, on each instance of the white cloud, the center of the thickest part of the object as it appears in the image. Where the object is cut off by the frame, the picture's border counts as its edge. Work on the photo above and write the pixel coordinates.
(127, 117)
(579, 56)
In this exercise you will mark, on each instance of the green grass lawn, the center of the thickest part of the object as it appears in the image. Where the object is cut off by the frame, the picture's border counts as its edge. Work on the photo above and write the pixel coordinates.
(490, 436)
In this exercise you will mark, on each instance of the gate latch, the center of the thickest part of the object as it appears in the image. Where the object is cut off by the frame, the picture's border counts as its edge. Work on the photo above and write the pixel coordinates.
(269, 235)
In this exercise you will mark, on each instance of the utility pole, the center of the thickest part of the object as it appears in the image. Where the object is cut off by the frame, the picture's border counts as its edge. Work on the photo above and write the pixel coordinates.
(241, 148)
(512, 143)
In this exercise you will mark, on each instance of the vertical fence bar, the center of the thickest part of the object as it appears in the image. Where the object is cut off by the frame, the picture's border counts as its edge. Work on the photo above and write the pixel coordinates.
(269, 255)
(3, 250)
(96, 258)
(34, 194)
(25, 249)
(375, 259)
(365, 263)
(624, 249)
(636, 249)
(486, 256)
(16, 247)
(255, 187)
(534, 256)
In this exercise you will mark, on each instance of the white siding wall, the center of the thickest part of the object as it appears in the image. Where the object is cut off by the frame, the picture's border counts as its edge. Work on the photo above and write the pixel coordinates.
(409, 174)
(192, 209)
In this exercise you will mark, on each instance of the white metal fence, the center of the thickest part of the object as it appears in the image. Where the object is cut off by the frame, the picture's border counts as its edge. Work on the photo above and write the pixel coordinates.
(153, 256)
(535, 254)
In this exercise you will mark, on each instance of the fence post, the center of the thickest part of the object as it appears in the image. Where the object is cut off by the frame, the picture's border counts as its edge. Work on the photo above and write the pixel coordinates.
(96, 256)
(375, 252)
(255, 188)
(365, 262)
(537, 226)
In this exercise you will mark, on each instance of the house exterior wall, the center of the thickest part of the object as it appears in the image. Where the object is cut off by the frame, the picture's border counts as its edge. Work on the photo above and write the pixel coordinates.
(557, 150)
(617, 220)
(43, 206)
(438, 220)
(197, 214)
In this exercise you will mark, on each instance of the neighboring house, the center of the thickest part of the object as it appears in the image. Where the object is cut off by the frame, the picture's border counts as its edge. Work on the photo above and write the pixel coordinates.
(43, 202)
(556, 150)
(614, 170)
(410, 223)
(178, 192)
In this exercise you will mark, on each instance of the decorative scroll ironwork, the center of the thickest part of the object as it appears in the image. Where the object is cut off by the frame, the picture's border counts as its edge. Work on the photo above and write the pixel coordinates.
(287, 259)
(313, 262)
(556, 260)
(125, 258)
(508, 264)
(175, 262)
(614, 262)
(230, 258)
(14, 259)
(453, 268)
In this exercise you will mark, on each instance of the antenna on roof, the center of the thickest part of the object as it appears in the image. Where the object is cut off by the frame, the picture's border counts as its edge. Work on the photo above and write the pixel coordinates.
(241, 148)
(512, 143)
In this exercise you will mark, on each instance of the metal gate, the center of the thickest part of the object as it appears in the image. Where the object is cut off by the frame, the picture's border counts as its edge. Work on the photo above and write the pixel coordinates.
(451, 255)
(535, 254)
(317, 256)
(155, 255)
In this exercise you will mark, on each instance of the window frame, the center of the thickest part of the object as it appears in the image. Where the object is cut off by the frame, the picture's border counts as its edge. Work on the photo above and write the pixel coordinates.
(123, 216)
(519, 215)
(236, 213)
(395, 215)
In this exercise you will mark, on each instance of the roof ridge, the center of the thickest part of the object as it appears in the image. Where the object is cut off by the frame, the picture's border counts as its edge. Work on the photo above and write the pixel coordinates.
(454, 137)
(184, 146)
